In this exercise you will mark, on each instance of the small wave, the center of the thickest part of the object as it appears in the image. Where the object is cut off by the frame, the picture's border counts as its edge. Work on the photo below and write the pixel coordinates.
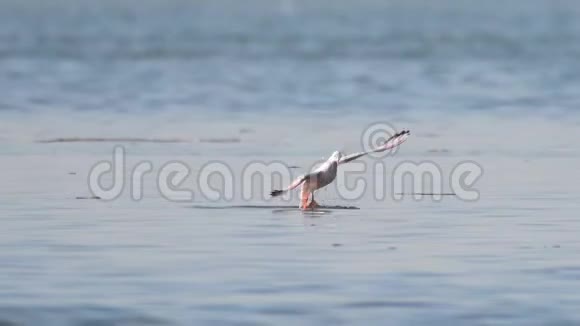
(220, 140)
(75, 316)
(111, 140)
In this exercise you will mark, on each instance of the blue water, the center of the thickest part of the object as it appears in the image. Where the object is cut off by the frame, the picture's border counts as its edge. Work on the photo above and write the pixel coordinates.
(295, 55)
(238, 82)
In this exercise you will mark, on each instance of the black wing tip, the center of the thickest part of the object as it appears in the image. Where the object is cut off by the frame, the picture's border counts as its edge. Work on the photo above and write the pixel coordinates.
(404, 132)
(275, 193)
(399, 134)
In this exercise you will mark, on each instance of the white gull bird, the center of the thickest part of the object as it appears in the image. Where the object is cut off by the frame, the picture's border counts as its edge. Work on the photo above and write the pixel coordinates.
(326, 173)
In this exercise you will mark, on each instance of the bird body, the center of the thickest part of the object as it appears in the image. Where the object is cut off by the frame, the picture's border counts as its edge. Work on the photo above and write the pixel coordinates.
(326, 173)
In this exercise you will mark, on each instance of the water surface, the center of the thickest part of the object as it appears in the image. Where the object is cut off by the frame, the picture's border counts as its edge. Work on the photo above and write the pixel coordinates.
(289, 81)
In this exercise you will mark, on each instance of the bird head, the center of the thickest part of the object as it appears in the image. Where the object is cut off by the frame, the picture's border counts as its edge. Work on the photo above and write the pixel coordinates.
(336, 156)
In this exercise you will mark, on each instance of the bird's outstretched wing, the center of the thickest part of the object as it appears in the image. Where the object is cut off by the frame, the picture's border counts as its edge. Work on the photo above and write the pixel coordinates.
(294, 184)
(394, 141)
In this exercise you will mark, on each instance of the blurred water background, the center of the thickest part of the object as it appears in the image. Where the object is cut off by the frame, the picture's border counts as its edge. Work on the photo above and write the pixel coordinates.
(495, 82)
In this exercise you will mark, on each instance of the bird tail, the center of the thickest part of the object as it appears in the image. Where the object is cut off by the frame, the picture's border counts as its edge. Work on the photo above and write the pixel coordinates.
(276, 193)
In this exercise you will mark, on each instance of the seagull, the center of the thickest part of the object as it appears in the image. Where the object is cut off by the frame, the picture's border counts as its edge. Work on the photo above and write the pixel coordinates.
(326, 173)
